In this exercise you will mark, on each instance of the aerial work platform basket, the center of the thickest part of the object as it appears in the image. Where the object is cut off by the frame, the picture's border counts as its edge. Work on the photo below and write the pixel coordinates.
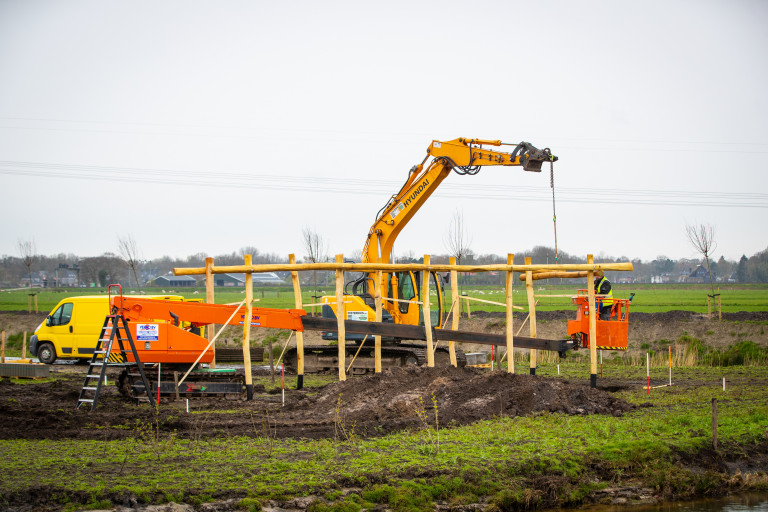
(611, 334)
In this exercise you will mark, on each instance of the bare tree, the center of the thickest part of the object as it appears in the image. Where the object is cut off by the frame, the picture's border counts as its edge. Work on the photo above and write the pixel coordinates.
(702, 238)
(316, 251)
(457, 240)
(129, 253)
(27, 252)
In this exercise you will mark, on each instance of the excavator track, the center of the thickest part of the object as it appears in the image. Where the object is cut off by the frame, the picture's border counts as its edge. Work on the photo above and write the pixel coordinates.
(222, 383)
(325, 358)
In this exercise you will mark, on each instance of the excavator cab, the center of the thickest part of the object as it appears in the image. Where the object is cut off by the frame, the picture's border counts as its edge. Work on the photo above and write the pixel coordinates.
(403, 303)
(611, 334)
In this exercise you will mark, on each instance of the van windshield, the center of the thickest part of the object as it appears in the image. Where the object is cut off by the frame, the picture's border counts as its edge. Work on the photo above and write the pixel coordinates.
(62, 315)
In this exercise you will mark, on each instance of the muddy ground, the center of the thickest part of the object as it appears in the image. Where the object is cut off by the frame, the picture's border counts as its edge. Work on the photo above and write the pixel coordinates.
(376, 404)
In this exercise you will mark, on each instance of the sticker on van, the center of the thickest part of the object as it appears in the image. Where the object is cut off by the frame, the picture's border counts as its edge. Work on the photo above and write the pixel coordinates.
(147, 332)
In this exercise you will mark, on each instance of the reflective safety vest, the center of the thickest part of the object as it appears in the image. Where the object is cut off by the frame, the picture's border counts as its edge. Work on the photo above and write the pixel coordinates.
(608, 299)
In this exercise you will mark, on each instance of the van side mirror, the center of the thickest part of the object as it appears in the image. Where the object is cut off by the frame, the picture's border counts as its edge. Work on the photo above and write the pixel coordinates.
(48, 320)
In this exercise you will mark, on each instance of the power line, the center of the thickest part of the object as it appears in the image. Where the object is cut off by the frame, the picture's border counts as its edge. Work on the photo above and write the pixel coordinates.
(234, 180)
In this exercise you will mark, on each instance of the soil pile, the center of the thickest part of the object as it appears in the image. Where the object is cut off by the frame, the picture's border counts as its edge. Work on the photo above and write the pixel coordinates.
(373, 405)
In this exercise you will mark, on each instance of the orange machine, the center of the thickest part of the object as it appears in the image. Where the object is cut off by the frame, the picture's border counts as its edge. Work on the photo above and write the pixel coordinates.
(611, 334)
(166, 331)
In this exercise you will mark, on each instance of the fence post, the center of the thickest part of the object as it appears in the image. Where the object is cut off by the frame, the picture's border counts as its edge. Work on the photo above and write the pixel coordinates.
(426, 310)
(299, 335)
(247, 329)
(592, 323)
(531, 312)
(210, 330)
(340, 317)
(510, 331)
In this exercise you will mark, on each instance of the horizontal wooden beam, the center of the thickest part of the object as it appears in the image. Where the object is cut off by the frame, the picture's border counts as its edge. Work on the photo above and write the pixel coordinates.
(396, 267)
(555, 274)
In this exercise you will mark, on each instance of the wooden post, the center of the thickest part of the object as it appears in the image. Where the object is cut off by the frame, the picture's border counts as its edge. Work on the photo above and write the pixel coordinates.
(340, 317)
(592, 323)
(456, 310)
(469, 313)
(426, 312)
(24, 346)
(2, 349)
(531, 312)
(210, 331)
(247, 329)
(299, 335)
(510, 335)
(379, 312)
(714, 423)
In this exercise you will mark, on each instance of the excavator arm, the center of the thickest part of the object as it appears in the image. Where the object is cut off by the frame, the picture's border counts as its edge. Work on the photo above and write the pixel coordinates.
(463, 156)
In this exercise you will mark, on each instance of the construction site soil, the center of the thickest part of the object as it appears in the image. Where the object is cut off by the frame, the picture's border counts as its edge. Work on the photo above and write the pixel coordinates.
(377, 404)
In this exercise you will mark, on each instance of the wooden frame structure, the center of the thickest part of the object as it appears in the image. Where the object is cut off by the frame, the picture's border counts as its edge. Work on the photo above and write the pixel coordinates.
(529, 273)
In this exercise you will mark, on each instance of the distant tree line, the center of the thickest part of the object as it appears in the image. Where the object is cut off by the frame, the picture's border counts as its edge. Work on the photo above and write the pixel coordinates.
(60, 269)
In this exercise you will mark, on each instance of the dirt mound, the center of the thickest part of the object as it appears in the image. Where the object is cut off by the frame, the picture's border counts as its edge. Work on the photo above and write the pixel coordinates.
(373, 405)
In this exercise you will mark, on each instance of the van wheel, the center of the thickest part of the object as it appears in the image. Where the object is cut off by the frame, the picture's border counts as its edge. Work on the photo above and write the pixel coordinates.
(46, 353)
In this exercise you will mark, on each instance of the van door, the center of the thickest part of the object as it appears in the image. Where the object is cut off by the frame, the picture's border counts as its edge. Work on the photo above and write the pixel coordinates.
(89, 321)
(61, 328)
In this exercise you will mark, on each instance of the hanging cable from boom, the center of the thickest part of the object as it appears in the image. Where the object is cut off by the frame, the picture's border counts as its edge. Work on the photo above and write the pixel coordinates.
(554, 213)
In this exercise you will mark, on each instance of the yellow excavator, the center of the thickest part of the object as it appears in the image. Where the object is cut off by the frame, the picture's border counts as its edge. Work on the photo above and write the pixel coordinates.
(401, 291)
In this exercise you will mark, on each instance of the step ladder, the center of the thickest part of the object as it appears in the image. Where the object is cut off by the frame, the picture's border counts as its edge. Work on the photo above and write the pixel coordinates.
(115, 328)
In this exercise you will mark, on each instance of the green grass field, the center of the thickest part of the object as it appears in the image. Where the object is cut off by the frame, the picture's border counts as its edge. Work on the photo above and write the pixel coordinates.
(648, 298)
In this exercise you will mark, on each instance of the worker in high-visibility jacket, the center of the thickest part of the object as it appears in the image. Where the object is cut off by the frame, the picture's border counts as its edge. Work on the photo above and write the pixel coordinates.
(603, 287)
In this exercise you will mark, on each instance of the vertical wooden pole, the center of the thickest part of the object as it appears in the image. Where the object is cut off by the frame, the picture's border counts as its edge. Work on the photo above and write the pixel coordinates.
(247, 329)
(210, 331)
(299, 335)
(426, 312)
(531, 312)
(24, 346)
(456, 306)
(469, 313)
(592, 323)
(36, 311)
(2, 349)
(377, 338)
(340, 317)
(510, 330)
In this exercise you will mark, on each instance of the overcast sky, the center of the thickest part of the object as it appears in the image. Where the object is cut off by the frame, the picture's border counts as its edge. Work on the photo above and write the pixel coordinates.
(211, 126)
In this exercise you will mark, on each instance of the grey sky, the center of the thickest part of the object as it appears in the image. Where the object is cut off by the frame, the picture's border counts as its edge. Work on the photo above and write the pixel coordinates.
(210, 126)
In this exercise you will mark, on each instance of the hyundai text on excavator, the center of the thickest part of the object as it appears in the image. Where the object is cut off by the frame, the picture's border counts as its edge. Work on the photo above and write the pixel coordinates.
(401, 291)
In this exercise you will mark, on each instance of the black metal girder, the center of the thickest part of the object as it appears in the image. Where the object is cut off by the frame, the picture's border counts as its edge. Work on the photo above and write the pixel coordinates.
(418, 332)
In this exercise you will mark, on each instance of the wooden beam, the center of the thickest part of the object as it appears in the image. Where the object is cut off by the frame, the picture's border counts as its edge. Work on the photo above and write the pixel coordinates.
(392, 267)
(531, 313)
(426, 312)
(592, 324)
(247, 330)
(510, 334)
(210, 331)
(299, 335)
(340, 317)
(456, 306)
(554, 274)
(377, 300)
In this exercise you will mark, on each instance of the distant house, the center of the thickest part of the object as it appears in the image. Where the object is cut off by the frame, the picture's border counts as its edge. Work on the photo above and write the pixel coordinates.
(661, 278)
(259, 279)
(174, 281)
(698, 275)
